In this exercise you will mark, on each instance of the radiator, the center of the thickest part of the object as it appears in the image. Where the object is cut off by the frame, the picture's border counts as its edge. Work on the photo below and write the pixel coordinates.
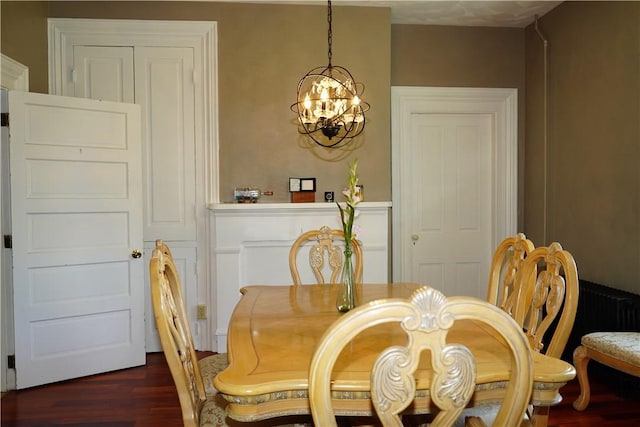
(601, 308)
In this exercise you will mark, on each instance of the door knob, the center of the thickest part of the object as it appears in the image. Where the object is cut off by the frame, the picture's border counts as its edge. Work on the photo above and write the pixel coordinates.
(136, 253)
(415, 237)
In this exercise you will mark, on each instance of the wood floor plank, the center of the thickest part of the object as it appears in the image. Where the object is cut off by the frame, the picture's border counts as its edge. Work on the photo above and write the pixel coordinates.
(145, 397)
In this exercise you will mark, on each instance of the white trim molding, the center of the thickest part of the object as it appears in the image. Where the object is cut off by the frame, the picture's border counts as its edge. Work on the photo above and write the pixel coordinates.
(13, 75)
(65, 33)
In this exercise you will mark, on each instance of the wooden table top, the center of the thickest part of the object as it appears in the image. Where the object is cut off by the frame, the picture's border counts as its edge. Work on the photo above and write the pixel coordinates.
(274, 330)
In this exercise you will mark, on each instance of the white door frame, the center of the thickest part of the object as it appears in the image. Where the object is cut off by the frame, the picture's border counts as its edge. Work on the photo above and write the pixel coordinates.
(64, 33)
(13, 76)
(502, 105)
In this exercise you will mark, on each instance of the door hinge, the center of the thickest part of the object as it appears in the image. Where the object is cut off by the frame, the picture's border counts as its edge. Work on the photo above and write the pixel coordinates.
(11, 361)
(4, 119)
(8, 241)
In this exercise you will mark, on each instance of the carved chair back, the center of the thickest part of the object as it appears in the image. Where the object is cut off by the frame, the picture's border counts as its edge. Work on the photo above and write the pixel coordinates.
(175, 334)
(426, 319)
(507, 261)
(548, 288)
(326, 247)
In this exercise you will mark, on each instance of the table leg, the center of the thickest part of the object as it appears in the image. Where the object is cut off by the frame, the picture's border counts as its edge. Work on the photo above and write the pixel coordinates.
(540, 416)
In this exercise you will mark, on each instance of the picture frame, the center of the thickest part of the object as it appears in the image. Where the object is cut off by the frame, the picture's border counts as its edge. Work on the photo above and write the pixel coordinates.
(302, 185)
(308, 184)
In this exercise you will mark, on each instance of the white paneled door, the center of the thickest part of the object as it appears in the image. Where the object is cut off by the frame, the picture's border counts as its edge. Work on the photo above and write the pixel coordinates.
(168, 68)
(161, 80)
(77, 224)
(454, 184)
(451, 220)
(103, 72)
(165, 90)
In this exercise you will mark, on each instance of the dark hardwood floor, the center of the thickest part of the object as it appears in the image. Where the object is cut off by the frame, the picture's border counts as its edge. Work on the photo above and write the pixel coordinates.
(145, 396)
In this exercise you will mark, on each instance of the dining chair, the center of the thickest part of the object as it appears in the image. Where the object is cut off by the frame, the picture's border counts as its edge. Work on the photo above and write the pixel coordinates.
(209, 366)
(549, 288)
(507, 261)
(200, 408)
(325, 253)
(538, 285)
(426, 319)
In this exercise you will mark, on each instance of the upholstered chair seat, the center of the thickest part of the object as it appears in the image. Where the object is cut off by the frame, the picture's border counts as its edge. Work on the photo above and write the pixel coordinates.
(211, 366)
(618, 350)
(624, 346)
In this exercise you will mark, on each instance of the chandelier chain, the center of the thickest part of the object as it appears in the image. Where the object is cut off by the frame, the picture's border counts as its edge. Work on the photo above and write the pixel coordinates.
(329, 33)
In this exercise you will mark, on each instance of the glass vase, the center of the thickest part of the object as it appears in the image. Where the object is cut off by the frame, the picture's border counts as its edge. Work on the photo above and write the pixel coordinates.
(347, 298)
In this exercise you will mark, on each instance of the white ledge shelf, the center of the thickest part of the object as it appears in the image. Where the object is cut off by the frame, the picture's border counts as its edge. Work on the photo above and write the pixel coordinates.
(235, 207)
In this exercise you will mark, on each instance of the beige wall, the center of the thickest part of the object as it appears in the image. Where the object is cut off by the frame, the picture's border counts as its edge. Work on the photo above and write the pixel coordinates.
(593, 195)
(23, 37)
(593, 198)
(264, 50)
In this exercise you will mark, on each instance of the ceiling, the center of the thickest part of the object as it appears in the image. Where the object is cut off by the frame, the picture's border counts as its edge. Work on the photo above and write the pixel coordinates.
(477, 13)
(517, 14)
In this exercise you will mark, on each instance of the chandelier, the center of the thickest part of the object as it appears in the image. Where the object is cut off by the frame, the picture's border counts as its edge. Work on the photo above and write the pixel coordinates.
(329, 106)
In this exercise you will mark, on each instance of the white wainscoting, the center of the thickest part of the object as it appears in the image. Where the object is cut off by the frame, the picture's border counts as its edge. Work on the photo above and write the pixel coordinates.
(251, 247)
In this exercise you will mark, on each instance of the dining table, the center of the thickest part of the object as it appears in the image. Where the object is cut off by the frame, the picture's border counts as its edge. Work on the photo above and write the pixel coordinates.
(274, 330)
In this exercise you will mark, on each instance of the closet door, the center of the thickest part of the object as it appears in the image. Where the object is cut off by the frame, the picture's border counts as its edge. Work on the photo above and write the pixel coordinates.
(103, 72)
(163, 78)
(165, 91)
(161, 81)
